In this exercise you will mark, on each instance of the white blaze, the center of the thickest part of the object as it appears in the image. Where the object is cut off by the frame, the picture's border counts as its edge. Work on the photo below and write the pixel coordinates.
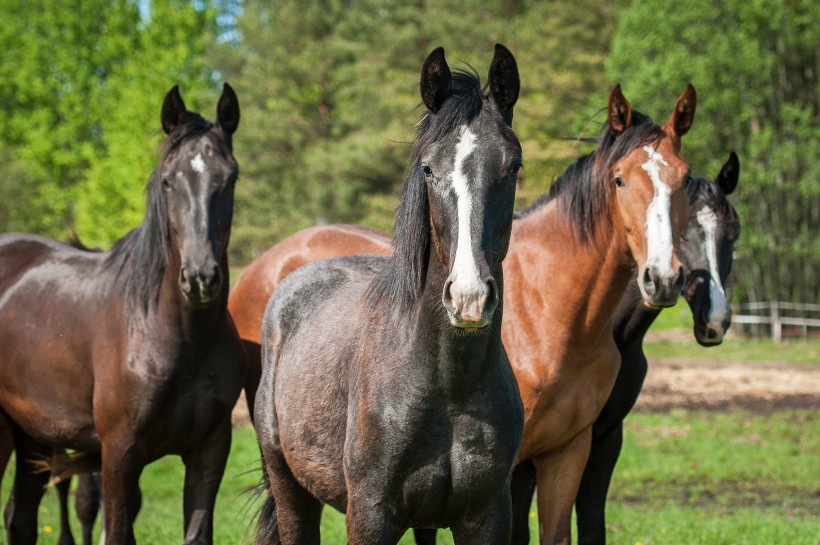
(658, 220)
(719, 308)
(465, 271)
(198, 164)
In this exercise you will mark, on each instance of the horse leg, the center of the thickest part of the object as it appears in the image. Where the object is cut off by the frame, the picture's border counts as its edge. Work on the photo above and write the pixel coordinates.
(88, 504)
(369, 522)
(253, 373)
(425, 536)
(63, 488)
(607, 439)
(121, 470)
(591, 501)
(29, 487)
(203, 474)
(490, 524)
(522, 488)
(295, 515)
(558, 476)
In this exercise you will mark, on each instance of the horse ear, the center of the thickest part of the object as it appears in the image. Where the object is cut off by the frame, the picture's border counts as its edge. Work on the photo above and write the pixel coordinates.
(227, 110)
(684, 113)
(729, 174)
(435, 80)
(173, 110)
(619, 112)
(504, 82)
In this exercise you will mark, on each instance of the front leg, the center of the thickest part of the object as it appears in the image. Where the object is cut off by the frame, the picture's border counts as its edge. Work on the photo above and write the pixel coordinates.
(204, 468)
(491, 524)
(122, 465)
(559, 475)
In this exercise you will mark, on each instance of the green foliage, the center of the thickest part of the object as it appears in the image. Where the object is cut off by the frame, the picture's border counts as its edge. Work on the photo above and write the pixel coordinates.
(755, 67)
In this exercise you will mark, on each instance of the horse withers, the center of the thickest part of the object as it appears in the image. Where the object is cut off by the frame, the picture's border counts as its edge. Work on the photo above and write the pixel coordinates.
(386, 392)
(129, 355)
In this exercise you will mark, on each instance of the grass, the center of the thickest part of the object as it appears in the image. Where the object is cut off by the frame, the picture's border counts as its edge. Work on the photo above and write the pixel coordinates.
(685, 477)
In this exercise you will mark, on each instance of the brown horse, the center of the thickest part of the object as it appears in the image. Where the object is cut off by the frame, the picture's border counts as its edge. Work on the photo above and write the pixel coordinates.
(129, 355)
(571, 257)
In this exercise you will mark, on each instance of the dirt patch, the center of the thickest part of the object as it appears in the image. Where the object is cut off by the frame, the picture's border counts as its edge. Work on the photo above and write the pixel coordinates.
(758, 387)
(707, 385)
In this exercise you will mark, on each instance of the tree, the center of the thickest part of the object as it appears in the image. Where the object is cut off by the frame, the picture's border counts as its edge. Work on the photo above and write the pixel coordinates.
(755, 67)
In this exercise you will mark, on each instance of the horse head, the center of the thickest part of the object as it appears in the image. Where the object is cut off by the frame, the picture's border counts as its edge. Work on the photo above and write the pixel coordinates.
(197, 176)
(468, 158)
(649, 182)
(707, 248)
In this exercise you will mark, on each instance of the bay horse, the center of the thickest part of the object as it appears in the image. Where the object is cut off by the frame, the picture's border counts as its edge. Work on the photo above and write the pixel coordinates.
(139, 355)
(706, 253)
(572, 256)
(386, 392)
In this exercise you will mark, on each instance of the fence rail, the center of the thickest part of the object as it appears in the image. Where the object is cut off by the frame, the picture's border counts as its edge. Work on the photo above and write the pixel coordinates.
(774, 316)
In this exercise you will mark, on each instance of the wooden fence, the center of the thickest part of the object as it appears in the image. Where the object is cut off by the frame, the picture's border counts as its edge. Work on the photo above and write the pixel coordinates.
(799, 319)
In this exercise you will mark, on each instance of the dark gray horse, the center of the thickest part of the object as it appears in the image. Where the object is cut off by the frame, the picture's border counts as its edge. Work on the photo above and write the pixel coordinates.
(386, 392)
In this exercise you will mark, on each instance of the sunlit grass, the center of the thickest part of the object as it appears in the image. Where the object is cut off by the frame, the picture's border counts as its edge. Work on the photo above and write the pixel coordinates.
(685, 477)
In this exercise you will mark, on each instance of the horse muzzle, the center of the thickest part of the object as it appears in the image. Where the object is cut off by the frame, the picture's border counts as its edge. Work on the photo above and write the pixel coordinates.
(470, 305)
(660, 290)
(200, 285)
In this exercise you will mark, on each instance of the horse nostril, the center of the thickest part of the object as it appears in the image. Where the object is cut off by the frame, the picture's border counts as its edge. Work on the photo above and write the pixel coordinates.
(648, 283)
(680, 280)
(711, 333)
(491, 299)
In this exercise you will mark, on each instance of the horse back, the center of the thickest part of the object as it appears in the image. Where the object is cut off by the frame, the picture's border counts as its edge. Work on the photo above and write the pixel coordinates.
(48, 295)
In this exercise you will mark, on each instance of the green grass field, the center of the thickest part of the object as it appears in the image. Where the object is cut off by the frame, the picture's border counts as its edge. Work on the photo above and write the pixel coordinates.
(685, 477)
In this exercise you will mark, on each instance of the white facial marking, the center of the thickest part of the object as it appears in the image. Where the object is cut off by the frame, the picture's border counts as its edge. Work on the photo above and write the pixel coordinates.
(658, 220)
(465, 271)
(719, 308)
(198, 164)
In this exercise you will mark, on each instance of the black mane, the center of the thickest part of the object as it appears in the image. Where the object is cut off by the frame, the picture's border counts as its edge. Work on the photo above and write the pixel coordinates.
(401, 281)
(583, 190)
(138, 259)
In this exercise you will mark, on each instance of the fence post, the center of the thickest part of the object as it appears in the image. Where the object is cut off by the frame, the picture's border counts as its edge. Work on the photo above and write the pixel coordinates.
(777, 327)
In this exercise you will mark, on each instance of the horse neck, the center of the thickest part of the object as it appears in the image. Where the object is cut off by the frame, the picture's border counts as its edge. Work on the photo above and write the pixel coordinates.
(194, 322)
(579, 282)
(632, 318)
(460, 360)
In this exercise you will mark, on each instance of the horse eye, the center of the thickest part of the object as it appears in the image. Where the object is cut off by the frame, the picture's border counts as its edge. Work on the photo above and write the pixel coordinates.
(428, 172)
(514, 170)
(619, 181)
(166, 185)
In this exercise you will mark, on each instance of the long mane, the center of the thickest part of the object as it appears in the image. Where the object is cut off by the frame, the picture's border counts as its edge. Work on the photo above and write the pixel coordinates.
(584, 191)
(401, 281)
(139, 258)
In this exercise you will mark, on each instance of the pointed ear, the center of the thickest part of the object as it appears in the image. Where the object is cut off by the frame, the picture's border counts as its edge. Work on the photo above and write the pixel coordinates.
(435, 80)
(684, 113)
(227, 110)
(173, 110)
(504, 82)
(618, 111)
(729, 174)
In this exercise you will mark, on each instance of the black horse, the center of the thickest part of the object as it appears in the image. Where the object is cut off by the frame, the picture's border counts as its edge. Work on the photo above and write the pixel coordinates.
(129, 355)
(386, 392)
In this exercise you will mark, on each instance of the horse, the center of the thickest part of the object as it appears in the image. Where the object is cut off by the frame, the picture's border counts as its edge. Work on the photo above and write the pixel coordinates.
(572, 256)
(386, 392)
(706, 253)
(136, 344)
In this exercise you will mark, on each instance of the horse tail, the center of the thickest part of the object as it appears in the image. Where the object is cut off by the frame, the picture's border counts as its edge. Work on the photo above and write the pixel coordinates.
(63, 465)
(267, 526)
